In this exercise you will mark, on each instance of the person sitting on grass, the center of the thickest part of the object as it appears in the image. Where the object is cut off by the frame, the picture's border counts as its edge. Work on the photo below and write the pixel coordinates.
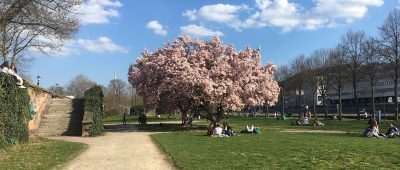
(218, 132)
(373, 130)
(305, 121)
(392, 131)
(228, 130)
(142, 119)
(317, 122)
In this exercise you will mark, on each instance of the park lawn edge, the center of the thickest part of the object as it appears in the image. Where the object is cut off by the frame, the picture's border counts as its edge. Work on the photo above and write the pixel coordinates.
(168, 157)
(71, 157)
(41, 141)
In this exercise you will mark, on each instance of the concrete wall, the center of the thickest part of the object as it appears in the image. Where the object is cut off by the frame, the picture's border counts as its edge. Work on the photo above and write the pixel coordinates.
(41, 98)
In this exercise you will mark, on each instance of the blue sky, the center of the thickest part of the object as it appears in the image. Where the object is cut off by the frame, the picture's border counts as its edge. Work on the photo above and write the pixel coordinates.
(115, 32)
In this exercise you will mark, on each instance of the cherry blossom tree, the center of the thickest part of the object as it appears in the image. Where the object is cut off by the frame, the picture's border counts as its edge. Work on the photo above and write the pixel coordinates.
(189, 73)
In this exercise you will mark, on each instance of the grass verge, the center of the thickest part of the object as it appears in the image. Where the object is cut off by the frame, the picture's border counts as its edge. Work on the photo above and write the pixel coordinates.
(40, 153)
(278, 150)
(274, 149)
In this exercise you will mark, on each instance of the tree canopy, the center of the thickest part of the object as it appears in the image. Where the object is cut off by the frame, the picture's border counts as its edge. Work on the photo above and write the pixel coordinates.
(189, 73)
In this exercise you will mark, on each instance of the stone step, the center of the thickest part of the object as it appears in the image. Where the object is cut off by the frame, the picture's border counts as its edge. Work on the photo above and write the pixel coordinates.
(60, 130)
(62, 117)
(60, 108)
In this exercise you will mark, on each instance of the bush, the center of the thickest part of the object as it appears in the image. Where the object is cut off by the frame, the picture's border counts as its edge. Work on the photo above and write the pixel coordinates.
(14, 111)
(94, 107)
(136, 110)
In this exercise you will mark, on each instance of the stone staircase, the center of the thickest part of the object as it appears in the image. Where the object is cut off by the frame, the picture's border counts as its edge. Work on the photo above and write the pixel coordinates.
(63, 117)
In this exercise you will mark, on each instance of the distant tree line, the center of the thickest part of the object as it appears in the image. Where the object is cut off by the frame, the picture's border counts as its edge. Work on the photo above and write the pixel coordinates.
(358, 57)
(117, 94)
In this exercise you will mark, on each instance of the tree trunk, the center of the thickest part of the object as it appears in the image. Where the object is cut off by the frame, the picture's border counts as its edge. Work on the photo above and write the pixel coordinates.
(283, 102)
(356, 96)
(299, 99)
(373, 99)
(324, 104)
(340, 101)
(314, 104)
(396, 113)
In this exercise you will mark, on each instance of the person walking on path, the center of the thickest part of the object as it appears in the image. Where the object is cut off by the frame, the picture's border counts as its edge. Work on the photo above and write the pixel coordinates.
(124, 118)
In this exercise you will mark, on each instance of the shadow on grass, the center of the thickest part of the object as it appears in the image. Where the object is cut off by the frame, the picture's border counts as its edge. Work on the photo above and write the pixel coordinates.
(161, 127)
(168, 127)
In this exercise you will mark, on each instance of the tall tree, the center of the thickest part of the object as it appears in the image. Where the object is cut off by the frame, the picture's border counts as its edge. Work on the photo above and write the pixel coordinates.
(322, 71)
(190, 73)
(372, 67)
(352, 45)
(389, 43)
(78, 85)
(43, 25)
(117, 89)
(282, 75)
(58, 90)
(299, 67)
(338, 72)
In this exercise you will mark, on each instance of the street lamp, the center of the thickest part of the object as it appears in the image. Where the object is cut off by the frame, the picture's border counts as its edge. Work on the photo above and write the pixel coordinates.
(38, 77)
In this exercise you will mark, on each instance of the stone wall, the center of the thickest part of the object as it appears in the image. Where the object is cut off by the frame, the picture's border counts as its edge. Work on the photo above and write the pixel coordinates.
(41, 99)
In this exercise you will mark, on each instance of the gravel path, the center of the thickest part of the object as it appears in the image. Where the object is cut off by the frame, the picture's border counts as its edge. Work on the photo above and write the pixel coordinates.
(118, 150)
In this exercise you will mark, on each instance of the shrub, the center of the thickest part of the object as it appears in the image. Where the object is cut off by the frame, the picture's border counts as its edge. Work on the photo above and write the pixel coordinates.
(94, 109)
(14, 111)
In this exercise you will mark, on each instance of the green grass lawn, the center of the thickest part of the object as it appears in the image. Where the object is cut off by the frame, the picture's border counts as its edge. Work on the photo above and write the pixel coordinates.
(274, 149)
(39, 154)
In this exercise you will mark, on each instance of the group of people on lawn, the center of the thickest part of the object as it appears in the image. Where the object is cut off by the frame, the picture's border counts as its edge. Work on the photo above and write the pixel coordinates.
(304, 120)
(227, 130)
(373, 130)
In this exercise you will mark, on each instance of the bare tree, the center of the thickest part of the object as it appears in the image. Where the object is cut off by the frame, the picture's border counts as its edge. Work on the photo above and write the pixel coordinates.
(58, 90)
(337, 74)
(117, 87)
(389, 47)
(43, 25)
(352, 44)
(372, 67)
(281, 75)
(78, 85)
(298, 66)
(317, 76)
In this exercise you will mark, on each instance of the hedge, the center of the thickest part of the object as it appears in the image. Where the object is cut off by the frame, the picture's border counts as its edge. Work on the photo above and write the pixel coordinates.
(14, 111)
(94, 106)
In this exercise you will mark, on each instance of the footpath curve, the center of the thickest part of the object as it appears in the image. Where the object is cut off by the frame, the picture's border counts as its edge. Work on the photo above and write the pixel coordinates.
(118, 150)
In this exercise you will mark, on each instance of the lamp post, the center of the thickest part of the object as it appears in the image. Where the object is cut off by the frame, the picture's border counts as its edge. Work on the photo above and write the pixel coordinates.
(38, 80)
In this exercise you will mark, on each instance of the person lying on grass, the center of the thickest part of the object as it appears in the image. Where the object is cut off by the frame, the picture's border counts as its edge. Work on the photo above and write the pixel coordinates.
(317, 122)
(251, 130)
(299, 121)
(392, 131)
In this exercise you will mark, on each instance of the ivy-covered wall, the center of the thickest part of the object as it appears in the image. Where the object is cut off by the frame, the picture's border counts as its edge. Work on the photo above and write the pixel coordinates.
(14, 111)
(94, 110)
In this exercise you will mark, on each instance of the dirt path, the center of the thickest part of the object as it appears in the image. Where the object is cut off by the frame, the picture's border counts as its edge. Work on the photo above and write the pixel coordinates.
(118, 150)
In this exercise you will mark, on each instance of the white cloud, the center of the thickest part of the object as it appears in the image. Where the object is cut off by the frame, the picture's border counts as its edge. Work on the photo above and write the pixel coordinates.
(156, 27)
(102, 44)
(191, 14)
(199, 31)
(284, 14)
(221, 13)
(98, 11)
